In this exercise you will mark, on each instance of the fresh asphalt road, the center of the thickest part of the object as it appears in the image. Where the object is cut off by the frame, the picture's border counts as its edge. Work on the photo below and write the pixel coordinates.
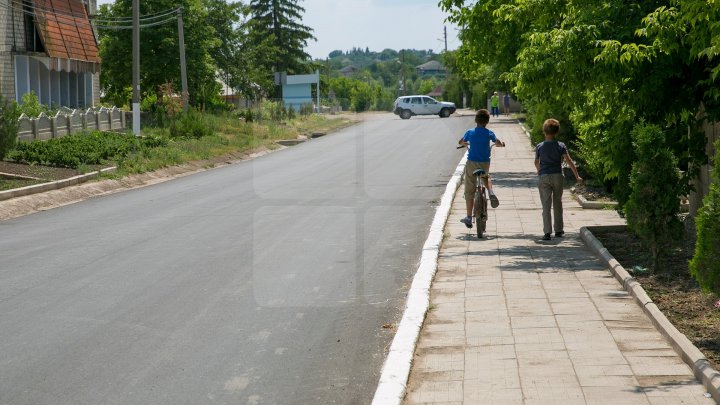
(262, 282)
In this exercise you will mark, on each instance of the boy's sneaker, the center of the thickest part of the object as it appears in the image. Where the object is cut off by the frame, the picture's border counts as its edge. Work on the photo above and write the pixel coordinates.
(546, 237)
(467, 221)
(559, 234)
(494, 202)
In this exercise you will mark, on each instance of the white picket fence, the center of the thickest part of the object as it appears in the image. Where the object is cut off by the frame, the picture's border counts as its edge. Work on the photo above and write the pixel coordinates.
(69, 122)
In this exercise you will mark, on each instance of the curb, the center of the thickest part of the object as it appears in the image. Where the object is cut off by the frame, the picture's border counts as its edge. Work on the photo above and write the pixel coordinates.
(595, 205)
(690, 354)
(396, 369)
(53, 185)
(525, 130)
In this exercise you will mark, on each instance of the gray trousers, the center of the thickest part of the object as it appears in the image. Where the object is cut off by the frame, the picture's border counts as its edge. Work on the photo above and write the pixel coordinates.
(551, 190)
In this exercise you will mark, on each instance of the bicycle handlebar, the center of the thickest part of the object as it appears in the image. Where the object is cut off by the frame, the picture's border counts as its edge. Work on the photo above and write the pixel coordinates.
(491, 146)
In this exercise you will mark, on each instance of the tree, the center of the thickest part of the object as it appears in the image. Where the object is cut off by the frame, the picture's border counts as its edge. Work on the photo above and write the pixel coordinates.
(653, 207)
(159, 52)
(8, 125)
(620, 62)
(280, 22)
(705, 265)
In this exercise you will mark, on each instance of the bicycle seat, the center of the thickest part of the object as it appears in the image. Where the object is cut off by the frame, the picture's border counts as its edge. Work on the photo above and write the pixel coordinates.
(479, 172)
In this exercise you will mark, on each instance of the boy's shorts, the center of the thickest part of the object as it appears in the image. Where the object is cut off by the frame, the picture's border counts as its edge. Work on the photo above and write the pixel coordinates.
(470, 184)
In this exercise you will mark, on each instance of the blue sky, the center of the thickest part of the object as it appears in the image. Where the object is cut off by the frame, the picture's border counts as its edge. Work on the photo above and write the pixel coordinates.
(378, 24)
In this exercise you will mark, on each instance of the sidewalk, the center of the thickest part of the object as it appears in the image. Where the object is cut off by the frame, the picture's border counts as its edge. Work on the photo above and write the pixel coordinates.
(516, 320)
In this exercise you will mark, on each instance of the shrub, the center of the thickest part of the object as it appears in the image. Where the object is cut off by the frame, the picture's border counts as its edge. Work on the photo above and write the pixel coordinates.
(705, 264)
(74, 151)
(192, 124)
(8, 125)
(654, 201)
(31, 105)
(307, 109)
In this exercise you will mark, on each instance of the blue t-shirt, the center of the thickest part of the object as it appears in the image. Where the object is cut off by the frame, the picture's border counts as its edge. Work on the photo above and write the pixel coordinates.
(551, 155)
(479, 140)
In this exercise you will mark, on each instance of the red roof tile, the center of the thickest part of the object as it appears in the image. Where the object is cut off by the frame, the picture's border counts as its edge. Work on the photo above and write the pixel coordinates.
(65, 30)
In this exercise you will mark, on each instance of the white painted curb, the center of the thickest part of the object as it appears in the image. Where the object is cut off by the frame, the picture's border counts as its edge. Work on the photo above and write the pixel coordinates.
(396, 370)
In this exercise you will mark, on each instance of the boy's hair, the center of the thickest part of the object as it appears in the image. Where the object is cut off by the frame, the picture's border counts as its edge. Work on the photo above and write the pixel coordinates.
(482, 117)
(551, 126)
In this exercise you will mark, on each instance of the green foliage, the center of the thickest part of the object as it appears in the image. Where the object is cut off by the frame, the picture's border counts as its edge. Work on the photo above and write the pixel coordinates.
(9, 115)
(280, 23)
(652, 207)
(705, 265)
(159, 51)
(74, 151)
(598, 67)
(362, 96)
(31, 105)
(192, 124)
(307, 109)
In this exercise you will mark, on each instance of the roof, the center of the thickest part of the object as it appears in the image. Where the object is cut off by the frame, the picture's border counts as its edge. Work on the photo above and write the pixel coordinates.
(432, 65)
(65, 30)
(349, 69)
(437, 92)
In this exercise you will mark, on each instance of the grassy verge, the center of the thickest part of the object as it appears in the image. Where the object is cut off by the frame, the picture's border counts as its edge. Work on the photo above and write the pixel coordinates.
(207, 137)
(6, 184)
(231, 136)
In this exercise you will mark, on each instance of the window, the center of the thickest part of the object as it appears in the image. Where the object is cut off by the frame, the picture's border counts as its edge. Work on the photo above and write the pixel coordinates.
(428, 100)
(32, 36)
(416, 100)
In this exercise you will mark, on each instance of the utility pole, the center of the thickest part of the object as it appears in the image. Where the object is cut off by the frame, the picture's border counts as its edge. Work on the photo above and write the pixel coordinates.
(136, 66)
(183, 67)
(445, 33)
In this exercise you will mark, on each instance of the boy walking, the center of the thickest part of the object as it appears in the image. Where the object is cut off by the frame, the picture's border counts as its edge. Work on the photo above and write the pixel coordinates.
(495, 104)
(478, 139)
(549, 156)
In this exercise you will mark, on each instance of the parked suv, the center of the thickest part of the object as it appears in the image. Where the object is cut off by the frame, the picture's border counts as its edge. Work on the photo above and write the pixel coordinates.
(408, 106)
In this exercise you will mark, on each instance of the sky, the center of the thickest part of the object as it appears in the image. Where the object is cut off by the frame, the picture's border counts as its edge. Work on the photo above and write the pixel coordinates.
(377, 24)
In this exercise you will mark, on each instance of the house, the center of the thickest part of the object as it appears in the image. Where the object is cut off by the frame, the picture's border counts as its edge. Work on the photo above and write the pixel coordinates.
(349, 71)
(432, 68)
(50, 47)
(437, 92)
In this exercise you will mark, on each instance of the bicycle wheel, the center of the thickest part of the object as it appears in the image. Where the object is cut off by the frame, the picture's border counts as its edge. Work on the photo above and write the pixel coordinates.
(480, 211)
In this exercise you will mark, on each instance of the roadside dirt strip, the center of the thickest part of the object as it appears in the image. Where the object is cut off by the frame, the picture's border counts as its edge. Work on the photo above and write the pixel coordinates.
(19, 206)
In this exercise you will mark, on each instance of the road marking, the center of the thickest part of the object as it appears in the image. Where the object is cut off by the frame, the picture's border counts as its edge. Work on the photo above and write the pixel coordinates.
(396, 369)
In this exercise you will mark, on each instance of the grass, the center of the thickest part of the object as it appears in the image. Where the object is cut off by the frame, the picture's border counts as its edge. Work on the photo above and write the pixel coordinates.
(232, 136)
(6, 184)
(203, 138)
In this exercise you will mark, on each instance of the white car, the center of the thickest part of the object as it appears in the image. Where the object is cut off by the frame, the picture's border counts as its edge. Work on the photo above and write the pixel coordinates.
(407, 106)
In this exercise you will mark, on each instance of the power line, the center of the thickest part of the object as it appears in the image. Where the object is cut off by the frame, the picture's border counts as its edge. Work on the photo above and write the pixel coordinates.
(44, 12)
(129, 27)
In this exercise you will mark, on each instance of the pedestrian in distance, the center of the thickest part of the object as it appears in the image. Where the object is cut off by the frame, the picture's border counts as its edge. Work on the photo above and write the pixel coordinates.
(549, 156)
(506, 104)
(478, 140)
(495, 104)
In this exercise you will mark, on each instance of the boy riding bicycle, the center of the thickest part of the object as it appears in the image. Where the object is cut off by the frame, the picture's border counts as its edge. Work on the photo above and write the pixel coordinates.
(478, 139)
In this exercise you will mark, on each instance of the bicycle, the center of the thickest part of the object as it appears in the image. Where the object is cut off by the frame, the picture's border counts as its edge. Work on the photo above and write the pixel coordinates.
(480, 201)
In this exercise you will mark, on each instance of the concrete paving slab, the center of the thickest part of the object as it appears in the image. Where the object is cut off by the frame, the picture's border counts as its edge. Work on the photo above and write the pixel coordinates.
(544, 322)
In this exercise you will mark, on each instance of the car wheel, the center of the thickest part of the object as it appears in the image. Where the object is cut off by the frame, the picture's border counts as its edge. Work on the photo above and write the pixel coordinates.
(405, 114)
(445, 112)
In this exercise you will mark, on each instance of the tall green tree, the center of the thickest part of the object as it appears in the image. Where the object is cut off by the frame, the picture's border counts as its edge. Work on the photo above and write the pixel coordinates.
(280, 22)
(159, 52)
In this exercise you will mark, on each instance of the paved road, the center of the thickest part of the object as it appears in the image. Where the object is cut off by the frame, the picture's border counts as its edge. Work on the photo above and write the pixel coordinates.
(262, 282)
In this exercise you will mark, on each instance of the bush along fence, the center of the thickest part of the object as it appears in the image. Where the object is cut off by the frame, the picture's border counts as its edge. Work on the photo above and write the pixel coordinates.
(70, 122)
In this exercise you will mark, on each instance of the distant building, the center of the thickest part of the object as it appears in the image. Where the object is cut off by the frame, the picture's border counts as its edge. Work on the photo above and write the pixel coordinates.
(349, 71)
(49, 47)
(432, 68)
(437, 92)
